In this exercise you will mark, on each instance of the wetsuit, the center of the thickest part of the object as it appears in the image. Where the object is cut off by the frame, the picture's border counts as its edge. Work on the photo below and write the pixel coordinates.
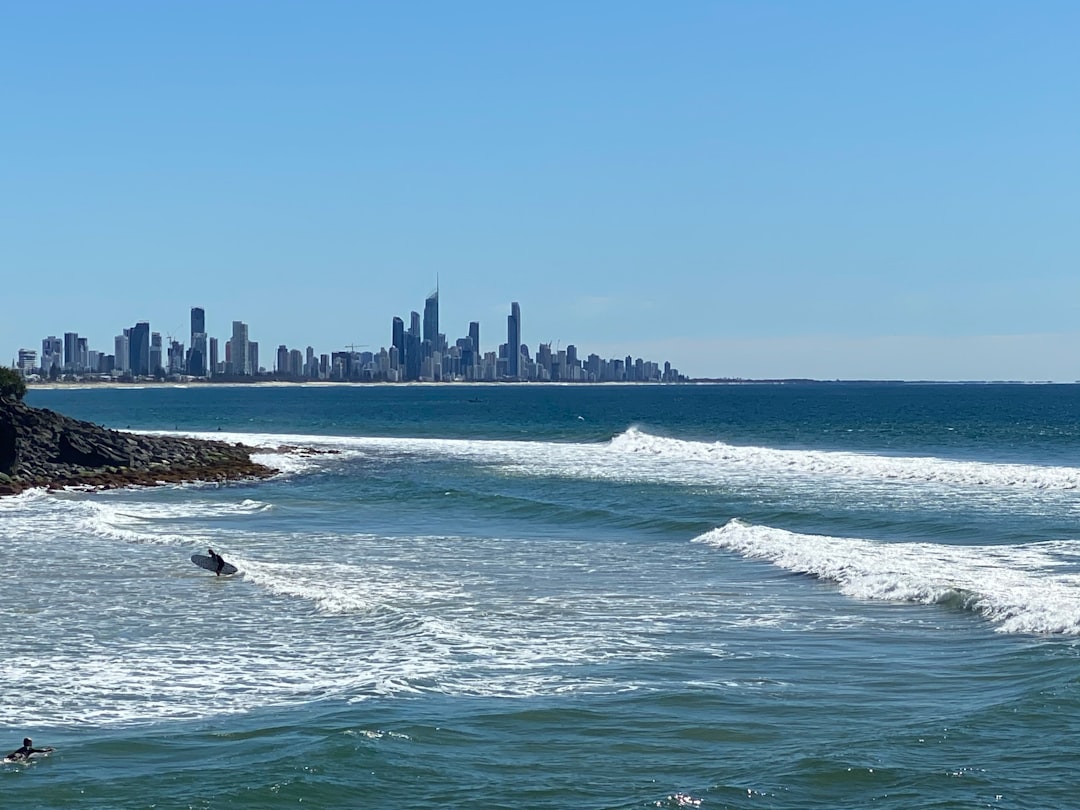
(219, 561)
(26, 751)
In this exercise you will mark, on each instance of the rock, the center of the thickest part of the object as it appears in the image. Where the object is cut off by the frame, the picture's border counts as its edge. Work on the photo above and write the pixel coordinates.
(41, 448)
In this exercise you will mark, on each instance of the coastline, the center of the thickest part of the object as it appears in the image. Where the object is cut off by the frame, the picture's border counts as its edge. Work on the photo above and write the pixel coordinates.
(485, 384)
(42, 449)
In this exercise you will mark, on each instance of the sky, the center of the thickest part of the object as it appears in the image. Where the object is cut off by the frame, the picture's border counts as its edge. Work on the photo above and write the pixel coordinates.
(828, 190)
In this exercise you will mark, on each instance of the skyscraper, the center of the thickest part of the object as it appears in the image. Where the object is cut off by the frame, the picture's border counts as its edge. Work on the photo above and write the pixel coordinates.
(431, 320)
(473, 364)
(238, 349)
(474, 334)
(197, 359)
(513, 342)
(397, 340)
(52, 354)
(155, 354)
(71, 351)
(139, 349)
(412, 348)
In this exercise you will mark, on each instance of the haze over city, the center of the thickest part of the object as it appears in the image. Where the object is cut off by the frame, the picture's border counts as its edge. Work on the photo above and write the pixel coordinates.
(757, 190)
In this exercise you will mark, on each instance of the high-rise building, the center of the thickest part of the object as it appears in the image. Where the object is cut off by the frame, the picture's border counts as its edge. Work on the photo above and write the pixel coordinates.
(474, 334)
(238, 349)
(513, 342)
(431, 320)
(397, 340)
(52, 354)
(139, 349)
(82, 353)
(71, 351)
(412, 348)
(27, 361)
(156, 366)
(197, 358)
(122, 352)
(213, 356)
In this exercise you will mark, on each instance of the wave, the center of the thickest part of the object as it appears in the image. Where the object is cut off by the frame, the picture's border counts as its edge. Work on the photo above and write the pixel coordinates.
(840, 464)
(1021, 589)
(635, 455)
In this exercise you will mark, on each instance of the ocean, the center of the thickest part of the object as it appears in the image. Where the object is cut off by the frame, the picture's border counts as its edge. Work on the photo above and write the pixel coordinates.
(538, 596)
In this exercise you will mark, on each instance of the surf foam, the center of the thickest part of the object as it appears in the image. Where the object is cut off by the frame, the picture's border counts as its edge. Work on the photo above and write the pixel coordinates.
(1021, 589)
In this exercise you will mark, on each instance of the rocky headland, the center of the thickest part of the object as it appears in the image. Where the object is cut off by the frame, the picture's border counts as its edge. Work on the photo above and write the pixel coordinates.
(41, 448)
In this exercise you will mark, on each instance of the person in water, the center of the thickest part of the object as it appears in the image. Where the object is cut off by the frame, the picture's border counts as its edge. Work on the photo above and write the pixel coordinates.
(219, 561)
(26, 750)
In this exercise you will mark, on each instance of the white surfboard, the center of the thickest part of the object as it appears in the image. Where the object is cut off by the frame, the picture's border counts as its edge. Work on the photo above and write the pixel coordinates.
(41, 753)
(208, 563)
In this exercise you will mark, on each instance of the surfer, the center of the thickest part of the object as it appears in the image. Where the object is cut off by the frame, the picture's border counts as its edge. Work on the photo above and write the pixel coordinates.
(26, 750)
(219, 561)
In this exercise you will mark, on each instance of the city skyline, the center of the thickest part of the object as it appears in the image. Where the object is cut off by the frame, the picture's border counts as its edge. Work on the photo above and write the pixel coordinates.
(420, 353)
(778, 190)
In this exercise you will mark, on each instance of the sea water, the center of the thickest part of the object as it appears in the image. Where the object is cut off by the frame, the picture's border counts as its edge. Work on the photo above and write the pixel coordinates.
(533, 596)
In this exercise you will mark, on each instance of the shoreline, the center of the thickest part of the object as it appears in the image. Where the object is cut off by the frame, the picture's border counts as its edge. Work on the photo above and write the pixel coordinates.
(154, 384)
(42, 449)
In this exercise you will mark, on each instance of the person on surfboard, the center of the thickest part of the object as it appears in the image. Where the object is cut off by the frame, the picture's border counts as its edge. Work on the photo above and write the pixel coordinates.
(219, 561)
(26, 750)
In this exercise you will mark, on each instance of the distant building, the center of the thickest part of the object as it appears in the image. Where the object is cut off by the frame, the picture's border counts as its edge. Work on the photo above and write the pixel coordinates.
(139, 349)
(157, 368)
(513, 342)
(27, 361)
(198, 357)
(431, 321)
(71, 351)
(52, 354)
(213, 369)
(238, 350)
(397, 340)
(122, 352)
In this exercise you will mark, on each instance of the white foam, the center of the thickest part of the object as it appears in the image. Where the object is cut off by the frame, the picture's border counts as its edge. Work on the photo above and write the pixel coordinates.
(635, 455)
(846, 465)
(1019, 588)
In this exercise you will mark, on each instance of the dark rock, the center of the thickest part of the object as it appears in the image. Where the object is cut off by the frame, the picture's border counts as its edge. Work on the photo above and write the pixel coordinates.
(41, 448)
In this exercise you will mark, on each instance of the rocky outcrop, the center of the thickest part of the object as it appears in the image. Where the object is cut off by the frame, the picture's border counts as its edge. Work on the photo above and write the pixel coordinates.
(41, 448)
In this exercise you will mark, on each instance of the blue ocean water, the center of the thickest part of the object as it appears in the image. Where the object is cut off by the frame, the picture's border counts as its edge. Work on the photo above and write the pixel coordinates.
(525, 596)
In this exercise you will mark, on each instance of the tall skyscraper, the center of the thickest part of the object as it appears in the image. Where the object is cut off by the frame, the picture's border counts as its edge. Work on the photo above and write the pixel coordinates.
(397, 339)
(139, 349)
(412, 348)
(238, 349)
(71, 351)
(431, 319)
(513, 342)
(474, 334)
(156, 365)
(197, 359)
(122, 352)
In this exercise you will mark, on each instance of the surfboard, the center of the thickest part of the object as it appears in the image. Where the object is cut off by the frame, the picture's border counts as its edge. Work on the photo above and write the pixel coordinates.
(203, 561)
(41, 753)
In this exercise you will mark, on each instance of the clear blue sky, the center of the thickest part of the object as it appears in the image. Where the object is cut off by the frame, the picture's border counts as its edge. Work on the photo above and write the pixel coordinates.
(755, 189)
